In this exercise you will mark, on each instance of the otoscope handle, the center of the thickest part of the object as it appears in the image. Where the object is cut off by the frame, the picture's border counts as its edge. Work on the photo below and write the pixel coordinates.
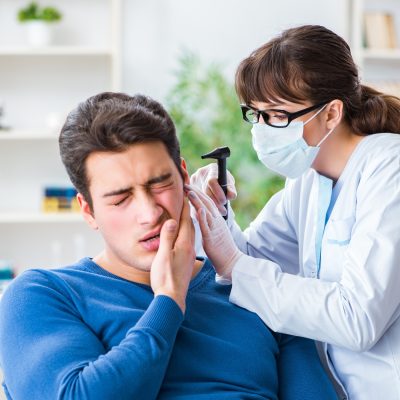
(222, 174)
(220, 154)
(223, 181)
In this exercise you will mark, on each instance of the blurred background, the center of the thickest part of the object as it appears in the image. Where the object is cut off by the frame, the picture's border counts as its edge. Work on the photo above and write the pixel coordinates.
(56, 53)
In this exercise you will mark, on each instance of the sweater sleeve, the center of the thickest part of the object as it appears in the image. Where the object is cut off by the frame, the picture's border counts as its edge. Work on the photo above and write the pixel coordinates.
(300, 373)
(48, 352)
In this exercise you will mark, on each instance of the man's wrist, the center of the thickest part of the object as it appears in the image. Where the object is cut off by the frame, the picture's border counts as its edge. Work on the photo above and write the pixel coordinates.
(178, 299)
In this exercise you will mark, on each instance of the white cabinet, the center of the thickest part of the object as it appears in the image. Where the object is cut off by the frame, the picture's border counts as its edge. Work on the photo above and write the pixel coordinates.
(38, 87)
(379, 67)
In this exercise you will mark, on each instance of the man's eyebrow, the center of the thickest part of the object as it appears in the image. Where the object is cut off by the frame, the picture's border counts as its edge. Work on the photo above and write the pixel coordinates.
(118, 192)
(158, 179)
(152, 181)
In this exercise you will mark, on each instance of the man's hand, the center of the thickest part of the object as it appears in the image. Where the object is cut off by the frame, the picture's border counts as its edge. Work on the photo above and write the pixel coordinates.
(172, 267)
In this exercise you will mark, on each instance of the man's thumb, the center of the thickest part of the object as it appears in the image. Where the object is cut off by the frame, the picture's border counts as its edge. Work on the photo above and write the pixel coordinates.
(168, 235)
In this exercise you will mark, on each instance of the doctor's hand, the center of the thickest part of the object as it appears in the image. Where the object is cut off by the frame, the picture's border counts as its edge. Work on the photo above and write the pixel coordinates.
(172, 267)
(206, 179)
(217, 240)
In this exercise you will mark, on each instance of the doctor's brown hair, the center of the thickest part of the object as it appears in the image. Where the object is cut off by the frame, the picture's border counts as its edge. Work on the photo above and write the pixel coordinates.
(111, 122)
(312, 63)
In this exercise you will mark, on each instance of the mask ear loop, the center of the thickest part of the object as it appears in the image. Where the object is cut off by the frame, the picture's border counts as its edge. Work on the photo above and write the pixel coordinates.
(325, 137)
(312, 117)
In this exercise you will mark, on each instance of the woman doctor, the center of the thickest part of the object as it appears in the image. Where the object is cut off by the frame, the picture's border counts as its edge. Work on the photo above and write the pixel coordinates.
(322, 259)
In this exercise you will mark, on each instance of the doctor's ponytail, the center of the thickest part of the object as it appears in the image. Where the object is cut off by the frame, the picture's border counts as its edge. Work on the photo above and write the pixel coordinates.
(375, 112)
(312, 63)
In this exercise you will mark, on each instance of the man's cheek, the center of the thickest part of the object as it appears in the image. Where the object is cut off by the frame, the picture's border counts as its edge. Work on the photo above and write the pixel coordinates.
(114, 224)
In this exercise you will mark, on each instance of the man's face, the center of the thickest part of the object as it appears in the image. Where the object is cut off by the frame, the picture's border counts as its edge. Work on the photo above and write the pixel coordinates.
(133, 192)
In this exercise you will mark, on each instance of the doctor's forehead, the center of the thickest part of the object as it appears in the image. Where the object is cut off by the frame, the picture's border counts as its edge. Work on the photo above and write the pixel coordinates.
(268, 103)
(276, 104)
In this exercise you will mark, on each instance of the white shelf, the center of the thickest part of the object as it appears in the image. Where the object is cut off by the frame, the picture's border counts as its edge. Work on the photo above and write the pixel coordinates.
(55, 51)
(43, 134)
(381, 54)
(46, 82)
(38, 217)
(373, 63)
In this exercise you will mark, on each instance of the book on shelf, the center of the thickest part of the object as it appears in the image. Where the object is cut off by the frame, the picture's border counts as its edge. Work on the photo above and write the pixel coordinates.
(379, 30)
(59, 199)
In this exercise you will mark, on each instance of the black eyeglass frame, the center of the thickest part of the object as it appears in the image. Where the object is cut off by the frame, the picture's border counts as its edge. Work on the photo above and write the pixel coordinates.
(290, 116)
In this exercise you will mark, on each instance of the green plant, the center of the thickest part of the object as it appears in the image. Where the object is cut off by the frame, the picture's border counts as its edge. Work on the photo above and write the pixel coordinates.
(33, 12)
(206, 112)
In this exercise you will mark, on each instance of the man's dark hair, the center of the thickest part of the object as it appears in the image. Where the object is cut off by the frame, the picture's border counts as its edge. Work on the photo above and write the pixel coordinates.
(111, 122)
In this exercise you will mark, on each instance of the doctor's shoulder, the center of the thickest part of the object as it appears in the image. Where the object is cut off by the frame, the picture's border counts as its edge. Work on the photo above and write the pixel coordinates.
(380, 155)
(300, 189)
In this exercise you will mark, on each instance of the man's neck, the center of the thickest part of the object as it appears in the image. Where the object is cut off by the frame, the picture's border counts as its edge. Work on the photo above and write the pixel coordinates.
(131, 273)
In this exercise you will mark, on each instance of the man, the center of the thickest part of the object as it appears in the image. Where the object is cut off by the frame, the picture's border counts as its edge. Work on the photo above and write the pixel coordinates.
(144, 319)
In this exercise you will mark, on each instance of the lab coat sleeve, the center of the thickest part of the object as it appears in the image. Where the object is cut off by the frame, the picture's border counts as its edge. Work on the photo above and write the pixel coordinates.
(356, 311)
(271, 235)
(48, 352)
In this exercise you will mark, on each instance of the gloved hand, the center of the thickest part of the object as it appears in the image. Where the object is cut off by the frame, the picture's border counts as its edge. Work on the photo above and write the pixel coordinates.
(217, 240)
(206, 179)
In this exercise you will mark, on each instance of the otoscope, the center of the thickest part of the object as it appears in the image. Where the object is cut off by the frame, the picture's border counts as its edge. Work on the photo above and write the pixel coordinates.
(221, 154)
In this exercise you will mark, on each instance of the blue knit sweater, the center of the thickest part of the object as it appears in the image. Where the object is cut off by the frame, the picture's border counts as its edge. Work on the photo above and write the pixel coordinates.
(82, 333)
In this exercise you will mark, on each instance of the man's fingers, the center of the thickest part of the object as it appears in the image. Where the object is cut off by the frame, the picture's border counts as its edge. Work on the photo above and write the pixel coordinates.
(167, 236)
(186, 227)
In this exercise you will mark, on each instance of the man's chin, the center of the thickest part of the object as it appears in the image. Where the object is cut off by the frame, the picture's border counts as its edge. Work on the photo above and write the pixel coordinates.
(145, 259)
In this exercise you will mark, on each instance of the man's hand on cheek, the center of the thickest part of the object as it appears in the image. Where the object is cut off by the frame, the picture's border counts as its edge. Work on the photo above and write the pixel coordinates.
(172, 266)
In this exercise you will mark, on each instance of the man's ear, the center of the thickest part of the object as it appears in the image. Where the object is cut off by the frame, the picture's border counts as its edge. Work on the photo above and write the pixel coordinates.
(86, 211)
(334, 113)
(186, 177)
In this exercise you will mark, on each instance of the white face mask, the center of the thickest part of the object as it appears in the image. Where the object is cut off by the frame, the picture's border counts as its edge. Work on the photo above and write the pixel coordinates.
(283, 150)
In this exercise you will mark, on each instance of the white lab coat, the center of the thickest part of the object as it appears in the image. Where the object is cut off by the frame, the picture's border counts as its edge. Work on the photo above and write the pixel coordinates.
(354, 306)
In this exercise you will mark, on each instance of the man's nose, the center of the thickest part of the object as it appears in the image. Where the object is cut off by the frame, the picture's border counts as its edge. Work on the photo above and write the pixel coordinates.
(148, 210)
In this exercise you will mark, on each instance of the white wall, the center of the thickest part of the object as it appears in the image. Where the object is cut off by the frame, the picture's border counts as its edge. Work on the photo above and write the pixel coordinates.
(47, 82)
(156, 31)
(154, 34)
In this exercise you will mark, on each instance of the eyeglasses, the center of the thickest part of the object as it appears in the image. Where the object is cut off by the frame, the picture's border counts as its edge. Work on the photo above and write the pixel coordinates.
(276, 118)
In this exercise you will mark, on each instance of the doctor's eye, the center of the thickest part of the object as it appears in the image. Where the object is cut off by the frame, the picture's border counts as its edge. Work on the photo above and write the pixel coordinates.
(278, 119)
(277, 116)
